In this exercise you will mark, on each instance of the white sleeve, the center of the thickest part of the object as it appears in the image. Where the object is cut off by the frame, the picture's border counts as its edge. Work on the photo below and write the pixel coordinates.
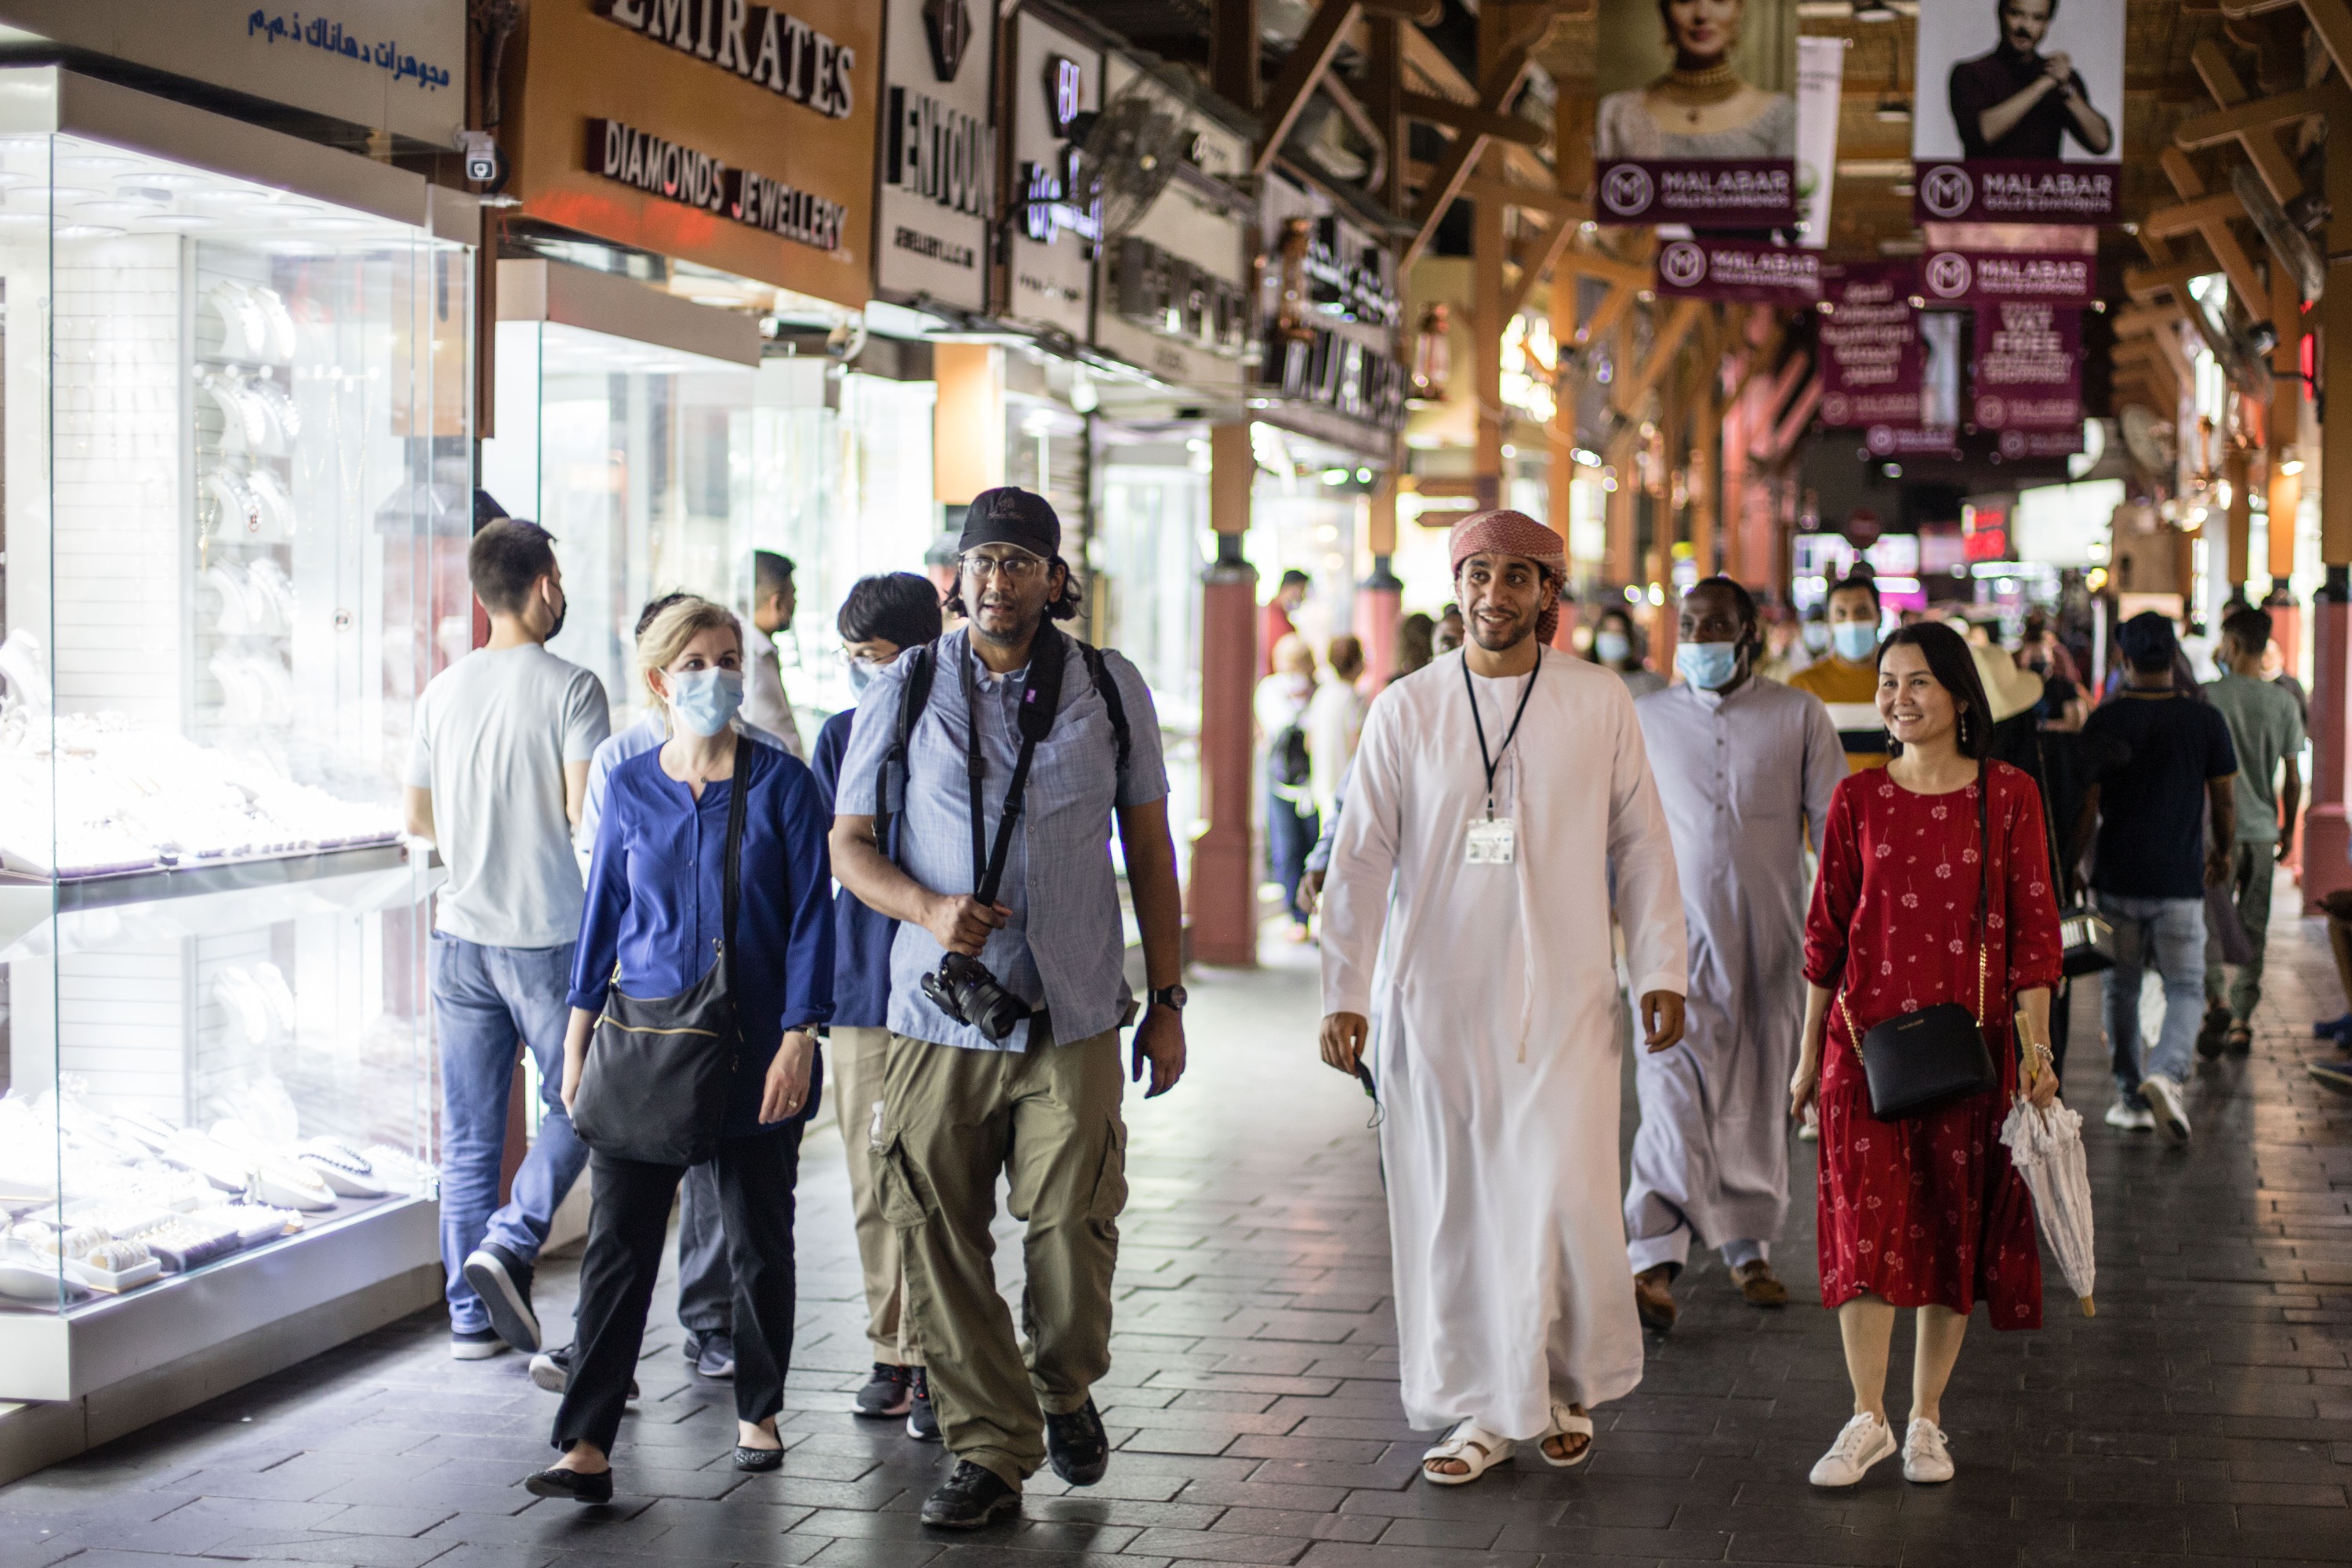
(587, 718)
(1649, 893)
(1363, 865)
(1825, 765)
(418, 772)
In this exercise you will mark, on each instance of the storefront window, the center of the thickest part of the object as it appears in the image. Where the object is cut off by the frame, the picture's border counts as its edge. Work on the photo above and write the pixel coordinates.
(237, 444)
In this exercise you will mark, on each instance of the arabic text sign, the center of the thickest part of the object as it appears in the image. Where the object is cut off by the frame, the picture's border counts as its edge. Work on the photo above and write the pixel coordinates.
(2028, 367)
(1871, 354)
(1723, 269)
(1705, 193)
(321, 33)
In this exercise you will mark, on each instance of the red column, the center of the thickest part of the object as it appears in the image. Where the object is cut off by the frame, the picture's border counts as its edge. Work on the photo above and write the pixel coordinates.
(1379, 599)
(2327, 835)
(1222, 889)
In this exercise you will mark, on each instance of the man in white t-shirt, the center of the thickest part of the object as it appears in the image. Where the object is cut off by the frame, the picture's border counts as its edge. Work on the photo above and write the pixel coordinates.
(497, 775)
(765, 706)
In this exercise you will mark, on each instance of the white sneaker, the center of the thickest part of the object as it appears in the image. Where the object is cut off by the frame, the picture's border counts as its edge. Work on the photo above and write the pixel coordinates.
(1925, 1456)
(2127, 1117)
(1866, 1440)
(2163, 1097)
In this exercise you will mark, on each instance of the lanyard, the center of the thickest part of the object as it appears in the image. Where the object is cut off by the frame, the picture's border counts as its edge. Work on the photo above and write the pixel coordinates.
(1495, 760)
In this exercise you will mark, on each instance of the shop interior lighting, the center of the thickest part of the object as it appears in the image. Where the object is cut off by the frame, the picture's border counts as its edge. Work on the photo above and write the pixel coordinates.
(1363, 476)
(84, 231)
(1657, 595)
(2290, 464)
(1632, 594)
(1335, 476)
(1584, 457)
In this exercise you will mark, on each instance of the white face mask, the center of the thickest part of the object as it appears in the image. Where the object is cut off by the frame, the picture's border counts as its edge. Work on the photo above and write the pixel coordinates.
(703, 701)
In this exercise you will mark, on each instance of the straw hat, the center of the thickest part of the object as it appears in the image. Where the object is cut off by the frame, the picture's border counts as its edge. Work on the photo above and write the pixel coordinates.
(2010, 689)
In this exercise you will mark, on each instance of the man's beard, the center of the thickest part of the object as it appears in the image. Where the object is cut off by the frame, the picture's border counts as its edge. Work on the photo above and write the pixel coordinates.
(1520, 631)
(1021, 632)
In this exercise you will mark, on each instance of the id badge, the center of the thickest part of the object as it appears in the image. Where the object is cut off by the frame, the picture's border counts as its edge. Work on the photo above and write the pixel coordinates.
(1493, 841)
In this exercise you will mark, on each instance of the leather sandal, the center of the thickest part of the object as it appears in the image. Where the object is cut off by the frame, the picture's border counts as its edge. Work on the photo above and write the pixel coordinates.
(1566, 1423)
(1653, 1300)
(1473, 1445)
(1759, 1285)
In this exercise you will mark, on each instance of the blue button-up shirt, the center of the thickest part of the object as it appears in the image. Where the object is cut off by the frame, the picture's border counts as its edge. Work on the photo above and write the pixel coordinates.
(861, 937)
(1065, 946)
(657, 903)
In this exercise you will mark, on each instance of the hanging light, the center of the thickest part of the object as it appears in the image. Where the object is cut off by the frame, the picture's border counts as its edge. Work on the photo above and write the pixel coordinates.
(1872, 11)
(1894, 110)
(1432, 356)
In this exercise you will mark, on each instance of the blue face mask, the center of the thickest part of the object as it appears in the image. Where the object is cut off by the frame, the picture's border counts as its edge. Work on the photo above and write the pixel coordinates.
(1709, 666)
(1854, 642)
(861, 675)
(1612, 646)
(705, 700)
(1817, 636)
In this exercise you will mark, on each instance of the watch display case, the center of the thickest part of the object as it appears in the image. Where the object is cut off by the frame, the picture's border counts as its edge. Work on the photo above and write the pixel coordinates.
(234, 505)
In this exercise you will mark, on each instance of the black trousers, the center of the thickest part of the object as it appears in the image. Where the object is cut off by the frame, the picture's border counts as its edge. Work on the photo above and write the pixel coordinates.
(626, 1221)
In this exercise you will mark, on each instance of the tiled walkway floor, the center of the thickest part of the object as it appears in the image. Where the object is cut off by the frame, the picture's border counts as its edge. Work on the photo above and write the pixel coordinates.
(2204, 1415)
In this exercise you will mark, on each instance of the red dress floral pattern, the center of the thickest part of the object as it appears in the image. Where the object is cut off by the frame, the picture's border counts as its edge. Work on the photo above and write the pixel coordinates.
(1927, 1210)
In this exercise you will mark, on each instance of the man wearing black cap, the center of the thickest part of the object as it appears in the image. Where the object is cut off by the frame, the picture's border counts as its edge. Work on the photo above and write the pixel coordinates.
(2155, 861)
(1027, 1084)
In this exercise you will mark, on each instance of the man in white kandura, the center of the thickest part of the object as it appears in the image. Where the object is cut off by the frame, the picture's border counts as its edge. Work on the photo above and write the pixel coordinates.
(1745, 766)
(1497, 789)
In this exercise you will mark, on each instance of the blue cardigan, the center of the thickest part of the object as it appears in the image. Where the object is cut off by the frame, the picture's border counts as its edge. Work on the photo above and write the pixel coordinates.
(656, 904)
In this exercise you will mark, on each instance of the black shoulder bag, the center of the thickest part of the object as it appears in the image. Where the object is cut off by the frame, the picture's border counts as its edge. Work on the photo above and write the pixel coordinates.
(655, 1085)
(1919, 1061)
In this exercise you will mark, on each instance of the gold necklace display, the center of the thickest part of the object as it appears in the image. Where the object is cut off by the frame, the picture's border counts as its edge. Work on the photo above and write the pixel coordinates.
(1697, 90)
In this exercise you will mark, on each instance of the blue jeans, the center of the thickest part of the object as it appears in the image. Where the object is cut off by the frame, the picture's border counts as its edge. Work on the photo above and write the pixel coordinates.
(2172, 930)
(1290, 833)
(485, 1001)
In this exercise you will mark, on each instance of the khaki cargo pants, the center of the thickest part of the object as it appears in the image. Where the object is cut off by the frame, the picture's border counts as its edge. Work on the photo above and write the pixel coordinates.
(854, 1060)
(1049, 1119)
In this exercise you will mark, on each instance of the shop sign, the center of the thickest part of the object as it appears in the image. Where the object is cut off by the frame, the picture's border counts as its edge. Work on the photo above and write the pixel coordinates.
(397, 65)
(2029, 368)
(1341, 374)
(938, 180)
(1911, 441)
(1985, 277)
(2020, 444)
(1871, 353)
(660, 125)
(1349, 275)
(1708, 269)
(1172, 297)
(758, 43)
(682, 175)
(1056, 79)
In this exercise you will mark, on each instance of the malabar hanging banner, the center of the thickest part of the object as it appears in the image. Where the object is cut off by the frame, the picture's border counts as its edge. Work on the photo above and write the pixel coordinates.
(1710, 268)
(1697, 118)
(1989, 277)
(2019, 112)
(2029, 368)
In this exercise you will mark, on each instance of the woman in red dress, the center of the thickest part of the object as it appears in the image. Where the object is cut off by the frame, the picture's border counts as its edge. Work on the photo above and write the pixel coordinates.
(1926, 1212)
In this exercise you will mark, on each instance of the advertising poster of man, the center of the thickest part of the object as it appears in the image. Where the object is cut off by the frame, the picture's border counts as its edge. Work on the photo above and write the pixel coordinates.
(2016, 97)
(1697, 118)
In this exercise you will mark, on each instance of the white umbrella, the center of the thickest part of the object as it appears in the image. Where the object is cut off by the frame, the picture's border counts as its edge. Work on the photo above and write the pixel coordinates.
(2045, 1144)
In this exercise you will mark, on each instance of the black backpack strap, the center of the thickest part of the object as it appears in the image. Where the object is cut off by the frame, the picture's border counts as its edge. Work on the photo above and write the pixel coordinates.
(891, 786)
(1041, 699)
(1106, 684)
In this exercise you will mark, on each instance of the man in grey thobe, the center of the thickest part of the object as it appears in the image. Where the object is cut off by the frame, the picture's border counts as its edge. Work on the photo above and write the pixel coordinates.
(1745, 768)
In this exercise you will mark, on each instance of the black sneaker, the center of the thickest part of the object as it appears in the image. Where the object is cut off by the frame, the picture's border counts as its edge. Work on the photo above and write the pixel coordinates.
(551, 1370)
(888, 1393)
(576, 1485)
(970, 1498)
(503, 1282)
(2210, 1033)
(922, 1421)
(1076, 1445)
(711, 1352)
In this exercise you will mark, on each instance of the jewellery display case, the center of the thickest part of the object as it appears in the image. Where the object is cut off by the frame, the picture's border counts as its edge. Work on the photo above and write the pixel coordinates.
(234, 499)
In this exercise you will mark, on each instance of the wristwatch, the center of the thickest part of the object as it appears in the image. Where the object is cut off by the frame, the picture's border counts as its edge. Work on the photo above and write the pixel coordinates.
(1169, 996)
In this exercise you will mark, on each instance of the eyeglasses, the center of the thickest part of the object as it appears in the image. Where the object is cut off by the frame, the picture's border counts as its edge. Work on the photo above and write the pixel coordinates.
(1011, 568)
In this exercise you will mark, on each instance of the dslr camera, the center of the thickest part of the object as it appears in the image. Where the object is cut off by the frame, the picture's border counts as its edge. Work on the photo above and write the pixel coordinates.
(966, 992)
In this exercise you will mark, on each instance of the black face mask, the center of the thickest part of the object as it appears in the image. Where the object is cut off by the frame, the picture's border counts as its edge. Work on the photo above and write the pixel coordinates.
(562, 608)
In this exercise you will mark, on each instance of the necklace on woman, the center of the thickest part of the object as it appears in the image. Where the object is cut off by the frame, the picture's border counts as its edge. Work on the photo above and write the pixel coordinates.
(1697, 90)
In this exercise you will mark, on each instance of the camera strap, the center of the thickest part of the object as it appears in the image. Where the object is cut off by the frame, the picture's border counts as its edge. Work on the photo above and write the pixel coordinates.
(1041, 695)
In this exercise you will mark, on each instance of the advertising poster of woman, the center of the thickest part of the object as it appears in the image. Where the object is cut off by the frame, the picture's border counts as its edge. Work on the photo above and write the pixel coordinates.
(1696, 123)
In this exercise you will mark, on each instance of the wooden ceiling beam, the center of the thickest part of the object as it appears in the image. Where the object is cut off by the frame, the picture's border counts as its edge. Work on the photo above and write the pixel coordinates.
(2209, 216)
(1463, 117)
(2259, 138)
(1301, 73)
(1452, 169)
(1632, 390)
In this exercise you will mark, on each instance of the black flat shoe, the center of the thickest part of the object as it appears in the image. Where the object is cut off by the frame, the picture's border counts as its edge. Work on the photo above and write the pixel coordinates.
(1077, 1446)
(759, 1458)
(970, 1498)
(577, 1485)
